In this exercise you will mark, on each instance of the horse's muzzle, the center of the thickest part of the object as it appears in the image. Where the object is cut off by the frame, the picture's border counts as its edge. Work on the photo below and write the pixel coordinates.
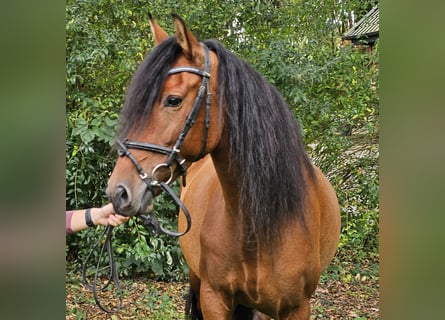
(130, 203)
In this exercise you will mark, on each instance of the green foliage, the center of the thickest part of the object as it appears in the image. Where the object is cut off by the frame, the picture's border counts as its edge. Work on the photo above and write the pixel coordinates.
(333, 90)
(106, 40)
(104, 46)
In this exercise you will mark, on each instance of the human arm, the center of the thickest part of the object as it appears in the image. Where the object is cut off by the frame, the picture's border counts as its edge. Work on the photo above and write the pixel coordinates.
(76, 219)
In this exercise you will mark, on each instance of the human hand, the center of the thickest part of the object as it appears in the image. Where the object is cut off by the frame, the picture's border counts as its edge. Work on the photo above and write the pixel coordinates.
(106, 216)
(116, 219)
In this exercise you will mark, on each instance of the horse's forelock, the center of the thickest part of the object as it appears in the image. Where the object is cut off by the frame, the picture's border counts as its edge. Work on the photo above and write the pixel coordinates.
(145, 86)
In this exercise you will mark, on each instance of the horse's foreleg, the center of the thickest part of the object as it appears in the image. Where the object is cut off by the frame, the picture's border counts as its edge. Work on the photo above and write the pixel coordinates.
(193, 310)
(215, 305)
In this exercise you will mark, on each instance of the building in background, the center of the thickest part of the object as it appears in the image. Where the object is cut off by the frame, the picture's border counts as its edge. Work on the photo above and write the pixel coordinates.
(365, 32)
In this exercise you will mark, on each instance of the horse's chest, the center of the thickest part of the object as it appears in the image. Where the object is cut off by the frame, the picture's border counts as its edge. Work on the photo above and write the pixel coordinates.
(256, 276)
(254, 284)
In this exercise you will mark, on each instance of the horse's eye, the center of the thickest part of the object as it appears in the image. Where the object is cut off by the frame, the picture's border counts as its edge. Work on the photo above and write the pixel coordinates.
(172, 101)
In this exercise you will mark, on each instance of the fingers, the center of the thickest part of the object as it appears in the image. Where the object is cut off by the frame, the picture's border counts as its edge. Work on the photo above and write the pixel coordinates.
(116, 219)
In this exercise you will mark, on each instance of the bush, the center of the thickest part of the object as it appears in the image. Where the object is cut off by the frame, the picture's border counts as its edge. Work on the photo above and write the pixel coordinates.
(105, 42)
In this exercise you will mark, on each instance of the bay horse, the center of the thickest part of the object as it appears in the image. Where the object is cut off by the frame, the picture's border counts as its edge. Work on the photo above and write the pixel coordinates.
(265, 220)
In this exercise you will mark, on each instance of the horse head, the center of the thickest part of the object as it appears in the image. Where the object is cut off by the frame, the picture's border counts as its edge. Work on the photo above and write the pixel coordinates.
(169, 120)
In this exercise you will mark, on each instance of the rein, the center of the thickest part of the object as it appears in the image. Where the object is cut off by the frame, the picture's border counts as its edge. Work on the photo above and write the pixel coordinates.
(150, 221)
(113, 275)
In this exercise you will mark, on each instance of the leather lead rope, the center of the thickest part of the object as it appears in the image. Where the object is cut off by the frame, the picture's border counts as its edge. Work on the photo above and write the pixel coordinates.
(113, 275)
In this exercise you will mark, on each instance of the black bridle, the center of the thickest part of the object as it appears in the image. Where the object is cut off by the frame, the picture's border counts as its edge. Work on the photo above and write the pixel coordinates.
(173, 154)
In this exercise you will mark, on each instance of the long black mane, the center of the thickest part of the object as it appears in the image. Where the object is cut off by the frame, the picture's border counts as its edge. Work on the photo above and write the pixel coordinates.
(266, 149)
(266, 146)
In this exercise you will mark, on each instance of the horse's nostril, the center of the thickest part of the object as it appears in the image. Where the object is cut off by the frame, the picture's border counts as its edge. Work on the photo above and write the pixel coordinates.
(121, 197)
(122, 193)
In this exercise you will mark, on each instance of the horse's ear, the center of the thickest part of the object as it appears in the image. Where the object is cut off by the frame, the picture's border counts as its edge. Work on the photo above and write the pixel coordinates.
(190, 45)
(159, 34)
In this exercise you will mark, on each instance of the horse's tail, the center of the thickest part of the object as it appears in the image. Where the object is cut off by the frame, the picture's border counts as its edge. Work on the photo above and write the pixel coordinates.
(243, 313)
(192, 311)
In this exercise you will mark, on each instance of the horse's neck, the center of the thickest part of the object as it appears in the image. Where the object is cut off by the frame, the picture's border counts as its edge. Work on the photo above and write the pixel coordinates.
(227, 178)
